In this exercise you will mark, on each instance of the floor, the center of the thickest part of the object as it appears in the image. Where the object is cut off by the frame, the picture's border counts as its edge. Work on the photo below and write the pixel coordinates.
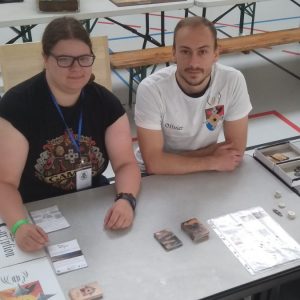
(275, 94)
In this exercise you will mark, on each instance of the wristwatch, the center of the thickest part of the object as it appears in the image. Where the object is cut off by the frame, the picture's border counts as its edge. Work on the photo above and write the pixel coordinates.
(127, 196)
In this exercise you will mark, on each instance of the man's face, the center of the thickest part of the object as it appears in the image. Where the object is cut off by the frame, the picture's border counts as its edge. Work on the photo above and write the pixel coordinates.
(195, 54)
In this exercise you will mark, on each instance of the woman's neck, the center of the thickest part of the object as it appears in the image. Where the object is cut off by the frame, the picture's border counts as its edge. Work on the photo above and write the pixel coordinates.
(63, 98)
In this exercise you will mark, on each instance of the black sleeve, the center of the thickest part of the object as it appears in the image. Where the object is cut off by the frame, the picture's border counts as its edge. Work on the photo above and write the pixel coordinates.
(14, 108)
(111, 105)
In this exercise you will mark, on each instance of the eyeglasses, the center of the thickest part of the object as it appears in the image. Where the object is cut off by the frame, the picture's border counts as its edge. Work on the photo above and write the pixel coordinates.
(65, 61)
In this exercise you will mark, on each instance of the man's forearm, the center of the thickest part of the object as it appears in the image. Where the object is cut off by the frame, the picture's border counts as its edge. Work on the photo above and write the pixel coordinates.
(202, 151)
(222, 158)
(170, 163)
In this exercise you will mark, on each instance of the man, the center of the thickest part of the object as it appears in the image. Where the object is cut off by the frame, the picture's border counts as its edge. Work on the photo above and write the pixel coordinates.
(181, 110)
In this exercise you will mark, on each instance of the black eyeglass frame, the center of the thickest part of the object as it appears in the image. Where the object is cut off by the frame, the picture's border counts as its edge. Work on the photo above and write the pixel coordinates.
(74, 58)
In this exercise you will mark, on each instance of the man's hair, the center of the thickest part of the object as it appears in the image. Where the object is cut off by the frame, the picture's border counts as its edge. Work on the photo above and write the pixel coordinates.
(194, 22)
(64, 28)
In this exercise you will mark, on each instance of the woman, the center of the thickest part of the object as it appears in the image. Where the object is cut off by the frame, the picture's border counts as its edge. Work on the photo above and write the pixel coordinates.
(58, 130)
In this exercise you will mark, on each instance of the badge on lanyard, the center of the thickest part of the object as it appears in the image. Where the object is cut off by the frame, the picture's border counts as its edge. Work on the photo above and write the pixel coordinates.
(83, 172)
(83, 178)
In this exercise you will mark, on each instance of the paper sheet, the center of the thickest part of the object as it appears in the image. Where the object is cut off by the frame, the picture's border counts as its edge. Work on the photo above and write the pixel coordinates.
(10, 254)
(50, 219)
(30, 280)
(67, 257)
(256, 239)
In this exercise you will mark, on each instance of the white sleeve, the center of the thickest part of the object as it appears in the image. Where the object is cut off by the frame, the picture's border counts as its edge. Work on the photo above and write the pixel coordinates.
(240, 105)
(148, 107)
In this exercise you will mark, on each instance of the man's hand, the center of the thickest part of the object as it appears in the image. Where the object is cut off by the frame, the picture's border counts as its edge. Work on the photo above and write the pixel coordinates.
(119, 216)
(226, 158)
(30, 237)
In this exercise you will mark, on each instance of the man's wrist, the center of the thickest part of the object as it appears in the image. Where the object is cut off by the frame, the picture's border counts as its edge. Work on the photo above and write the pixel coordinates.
(128, 197)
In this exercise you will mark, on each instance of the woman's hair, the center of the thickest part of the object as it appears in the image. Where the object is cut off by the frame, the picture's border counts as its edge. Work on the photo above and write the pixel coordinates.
(194, 22)
(64, 28)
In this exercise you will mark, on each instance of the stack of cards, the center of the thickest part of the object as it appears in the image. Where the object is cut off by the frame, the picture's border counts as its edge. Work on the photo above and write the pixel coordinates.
(66, 257)
(168, 239)
(195, 229)
(88, 291)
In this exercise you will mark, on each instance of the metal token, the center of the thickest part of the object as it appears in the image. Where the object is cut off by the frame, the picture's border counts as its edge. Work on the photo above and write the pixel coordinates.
(277, 212)
(277, 195)
(291, 215)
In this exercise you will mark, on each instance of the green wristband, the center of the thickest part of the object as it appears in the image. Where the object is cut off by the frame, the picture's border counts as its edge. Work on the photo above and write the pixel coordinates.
(17, 225)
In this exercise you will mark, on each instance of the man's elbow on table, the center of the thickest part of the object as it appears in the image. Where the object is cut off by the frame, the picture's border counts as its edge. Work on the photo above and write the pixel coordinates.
(153, 164)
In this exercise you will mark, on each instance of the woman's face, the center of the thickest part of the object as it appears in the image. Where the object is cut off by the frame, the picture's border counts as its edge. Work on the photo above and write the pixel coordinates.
(67, 79)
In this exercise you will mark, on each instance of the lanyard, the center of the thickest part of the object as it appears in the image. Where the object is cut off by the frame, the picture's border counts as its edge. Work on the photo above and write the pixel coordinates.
(76, 143)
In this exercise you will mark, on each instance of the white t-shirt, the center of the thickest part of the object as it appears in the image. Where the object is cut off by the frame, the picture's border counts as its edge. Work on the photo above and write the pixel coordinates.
(191, 123)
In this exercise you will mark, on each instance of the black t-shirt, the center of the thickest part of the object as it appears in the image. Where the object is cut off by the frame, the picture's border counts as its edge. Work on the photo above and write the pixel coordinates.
(52, 160)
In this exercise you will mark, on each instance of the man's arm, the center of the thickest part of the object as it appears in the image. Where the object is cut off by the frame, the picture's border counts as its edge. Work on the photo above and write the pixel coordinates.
(220, 157)
(236, 132)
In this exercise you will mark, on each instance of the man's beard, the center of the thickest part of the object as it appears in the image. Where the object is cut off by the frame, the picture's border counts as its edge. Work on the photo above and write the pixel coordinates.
(193, 83)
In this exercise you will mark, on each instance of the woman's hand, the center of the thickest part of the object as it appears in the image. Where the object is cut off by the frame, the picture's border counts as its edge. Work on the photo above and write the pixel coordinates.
(119, 216)
(30, 237)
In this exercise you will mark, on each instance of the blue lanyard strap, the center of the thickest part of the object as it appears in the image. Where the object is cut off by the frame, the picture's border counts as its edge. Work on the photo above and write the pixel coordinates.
(76, 143)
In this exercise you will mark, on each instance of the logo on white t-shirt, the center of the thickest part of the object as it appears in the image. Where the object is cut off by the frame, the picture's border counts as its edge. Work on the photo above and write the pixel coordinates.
(172, 126)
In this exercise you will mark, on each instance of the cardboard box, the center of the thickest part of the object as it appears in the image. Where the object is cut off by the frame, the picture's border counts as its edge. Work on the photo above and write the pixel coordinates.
(270, 155)
(286, 171)
(58, 5)
(282, 159)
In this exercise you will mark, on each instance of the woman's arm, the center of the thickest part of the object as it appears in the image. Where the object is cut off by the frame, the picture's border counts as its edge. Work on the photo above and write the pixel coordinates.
(13, 153)
(119, 146)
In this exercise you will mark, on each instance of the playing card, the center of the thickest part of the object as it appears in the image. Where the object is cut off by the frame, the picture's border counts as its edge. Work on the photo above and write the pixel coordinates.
(195, 229)
(168, 239)
(279, 156)
(87, 291)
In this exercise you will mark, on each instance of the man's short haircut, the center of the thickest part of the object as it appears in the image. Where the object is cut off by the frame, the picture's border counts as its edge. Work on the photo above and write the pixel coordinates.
(194, 22)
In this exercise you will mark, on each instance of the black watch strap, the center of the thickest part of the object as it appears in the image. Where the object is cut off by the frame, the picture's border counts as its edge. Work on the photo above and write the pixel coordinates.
(127, 196)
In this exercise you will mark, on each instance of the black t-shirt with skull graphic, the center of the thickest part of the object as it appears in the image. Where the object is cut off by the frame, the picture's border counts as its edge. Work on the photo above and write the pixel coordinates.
(52, 160)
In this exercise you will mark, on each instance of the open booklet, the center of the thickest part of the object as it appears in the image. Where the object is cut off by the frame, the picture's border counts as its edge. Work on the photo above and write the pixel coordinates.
(33, 280)
(10, 253)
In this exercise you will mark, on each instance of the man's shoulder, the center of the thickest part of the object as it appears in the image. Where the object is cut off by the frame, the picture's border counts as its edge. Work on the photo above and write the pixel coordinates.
(226, 70)
(161, 77)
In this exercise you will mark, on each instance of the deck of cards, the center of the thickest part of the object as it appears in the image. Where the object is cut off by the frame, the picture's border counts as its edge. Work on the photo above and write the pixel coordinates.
(87, 291)
(168, 239)
(195, 229)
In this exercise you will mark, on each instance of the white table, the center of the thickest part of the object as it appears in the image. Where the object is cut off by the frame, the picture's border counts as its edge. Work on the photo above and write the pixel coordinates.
(245, 6)
(132, 265)
(26, 14)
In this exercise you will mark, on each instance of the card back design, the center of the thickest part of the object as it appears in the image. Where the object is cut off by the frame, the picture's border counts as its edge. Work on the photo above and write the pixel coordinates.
(167, 239)
(196, 230)
(87, 291)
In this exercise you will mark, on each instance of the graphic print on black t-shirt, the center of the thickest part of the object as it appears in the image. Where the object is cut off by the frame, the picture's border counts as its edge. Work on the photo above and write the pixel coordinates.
(59, 161)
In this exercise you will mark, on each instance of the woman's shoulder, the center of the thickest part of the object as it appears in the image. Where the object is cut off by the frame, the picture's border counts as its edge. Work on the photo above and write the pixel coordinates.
(27, 87)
